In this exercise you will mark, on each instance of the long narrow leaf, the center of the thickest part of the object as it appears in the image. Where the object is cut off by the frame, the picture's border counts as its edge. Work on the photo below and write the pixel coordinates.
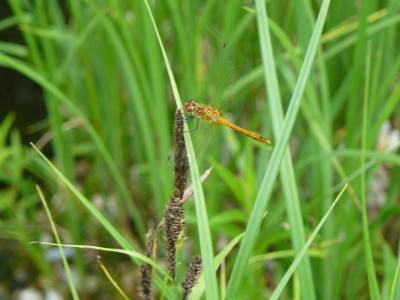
(287, 177)
(277, 156)
(373, 284)
(132, 253)
(275, 295)
(201, 211)
(57, 237)
(125, 244)
(60, 96)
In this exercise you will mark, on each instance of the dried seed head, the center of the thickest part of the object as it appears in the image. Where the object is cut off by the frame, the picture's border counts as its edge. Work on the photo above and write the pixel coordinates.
(181, 164)
(174, 224)
(192, 276)
(145, 286)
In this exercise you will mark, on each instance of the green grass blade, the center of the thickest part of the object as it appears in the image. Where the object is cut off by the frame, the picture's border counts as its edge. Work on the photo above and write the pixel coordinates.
(11, 21)
(125, 244)
(394, 291)
(277, 156)
(137, 106)
(275, 295)
(60, 247)
(91, 208)
(13, 49)
(142, 258)
(58, 95)
(111, 279)
(287, 172)
(373, 284)
(198, 290)
(206, 246)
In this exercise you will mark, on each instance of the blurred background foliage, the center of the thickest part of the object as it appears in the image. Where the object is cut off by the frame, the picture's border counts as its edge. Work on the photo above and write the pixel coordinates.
(96, 99)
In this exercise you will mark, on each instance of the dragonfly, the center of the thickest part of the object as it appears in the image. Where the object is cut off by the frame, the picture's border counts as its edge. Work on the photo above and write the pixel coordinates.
(214, 116)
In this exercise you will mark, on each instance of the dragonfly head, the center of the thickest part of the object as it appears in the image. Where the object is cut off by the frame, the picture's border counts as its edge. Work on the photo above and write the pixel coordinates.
(190, 107)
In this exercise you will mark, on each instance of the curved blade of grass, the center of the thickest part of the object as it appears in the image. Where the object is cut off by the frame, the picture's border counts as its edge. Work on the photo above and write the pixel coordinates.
(11, 21)
(287, 177)
(13, 49)
(352, 39)
(201, 211)
(200, 287)
(57, 237)
(373, 283)
(275, 295)
(91, 208)
(111, 279)
(277, 156)
(316, 252)
(394, 291)
(132, 253)
(137, 106)
(60, 96)
(375, 155)
(125, 244)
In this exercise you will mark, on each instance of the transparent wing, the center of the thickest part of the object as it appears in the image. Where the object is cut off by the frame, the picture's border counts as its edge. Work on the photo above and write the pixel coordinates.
(219, 90)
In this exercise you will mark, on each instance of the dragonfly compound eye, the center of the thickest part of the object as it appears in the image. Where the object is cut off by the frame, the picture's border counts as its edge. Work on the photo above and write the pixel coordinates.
(190, 106)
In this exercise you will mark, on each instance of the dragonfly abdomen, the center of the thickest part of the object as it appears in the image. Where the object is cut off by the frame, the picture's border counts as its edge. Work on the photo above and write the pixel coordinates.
(251, 134)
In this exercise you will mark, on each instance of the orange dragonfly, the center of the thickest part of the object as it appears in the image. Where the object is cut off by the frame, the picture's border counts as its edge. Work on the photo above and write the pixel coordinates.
(214, 116)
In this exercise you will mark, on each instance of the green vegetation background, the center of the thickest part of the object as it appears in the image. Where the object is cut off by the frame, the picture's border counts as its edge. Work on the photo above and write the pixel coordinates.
(109, 131)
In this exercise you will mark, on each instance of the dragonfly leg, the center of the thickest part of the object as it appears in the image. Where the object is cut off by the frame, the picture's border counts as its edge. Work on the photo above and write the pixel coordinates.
(188, 118)
(197, 124)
